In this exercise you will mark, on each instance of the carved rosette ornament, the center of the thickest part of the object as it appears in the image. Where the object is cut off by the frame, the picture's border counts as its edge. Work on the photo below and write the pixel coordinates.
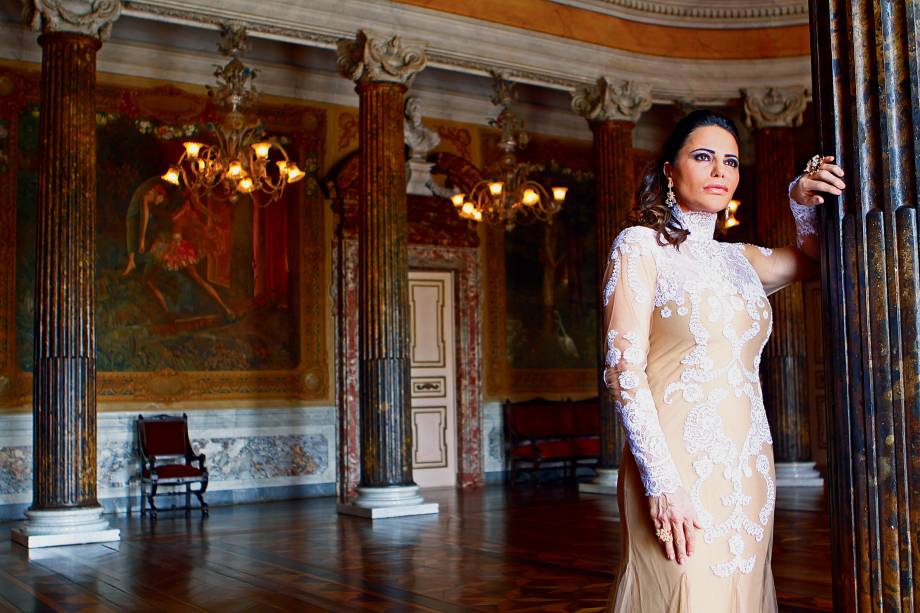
(375, 57)
(612, 99)
(774, 107)
(89, 17)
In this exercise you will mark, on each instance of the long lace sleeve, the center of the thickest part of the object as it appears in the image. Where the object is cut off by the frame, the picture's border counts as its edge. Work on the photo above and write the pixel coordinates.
(629, 289)
(805, 217)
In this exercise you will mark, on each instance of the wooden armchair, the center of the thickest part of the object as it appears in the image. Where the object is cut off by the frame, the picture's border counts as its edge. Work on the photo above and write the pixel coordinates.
(166, 459)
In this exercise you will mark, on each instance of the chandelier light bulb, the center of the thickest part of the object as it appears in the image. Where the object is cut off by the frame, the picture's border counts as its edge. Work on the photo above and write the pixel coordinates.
(235, 170)
(457, 199)
(282, 167)
(192, 148)
(496, 188)
(559, 193)
(530, 197)
(245, 185)
(262, 150)
(294, 174)
(468, 208)
(171, 175)
(477, 215)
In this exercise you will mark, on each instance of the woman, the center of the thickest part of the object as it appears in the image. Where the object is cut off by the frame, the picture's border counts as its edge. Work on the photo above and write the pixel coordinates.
(687, 318)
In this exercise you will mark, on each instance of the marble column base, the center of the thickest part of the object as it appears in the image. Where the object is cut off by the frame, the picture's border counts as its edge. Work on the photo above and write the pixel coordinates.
(798, 474)
(604, 483)
(384, 502)
(64, 527)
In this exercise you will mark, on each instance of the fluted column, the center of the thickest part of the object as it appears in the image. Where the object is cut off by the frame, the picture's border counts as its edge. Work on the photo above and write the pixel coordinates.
(64, 507)
(382, 66)
(864, 60)
(775, 113)
(612, 109)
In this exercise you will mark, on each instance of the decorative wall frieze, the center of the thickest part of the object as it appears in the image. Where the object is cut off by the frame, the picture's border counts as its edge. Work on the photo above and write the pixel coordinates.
(612, 99)
(89, 17)
(694, 14)
(524, 56)
(774, 107)
(376, 57)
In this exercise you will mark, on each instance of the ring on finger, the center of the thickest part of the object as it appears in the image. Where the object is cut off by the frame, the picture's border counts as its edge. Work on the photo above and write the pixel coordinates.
(814, 165)
(664, 535)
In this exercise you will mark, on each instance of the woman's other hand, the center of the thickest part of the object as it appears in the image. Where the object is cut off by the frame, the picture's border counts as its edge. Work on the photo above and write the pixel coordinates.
(674, 513)
(828, 179)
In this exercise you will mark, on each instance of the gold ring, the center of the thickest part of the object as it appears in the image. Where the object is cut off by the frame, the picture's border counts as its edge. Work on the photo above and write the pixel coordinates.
(814, 164)
(664, 535)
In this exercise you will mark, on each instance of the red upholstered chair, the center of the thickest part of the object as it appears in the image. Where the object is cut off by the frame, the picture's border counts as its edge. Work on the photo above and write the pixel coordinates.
(166, 459)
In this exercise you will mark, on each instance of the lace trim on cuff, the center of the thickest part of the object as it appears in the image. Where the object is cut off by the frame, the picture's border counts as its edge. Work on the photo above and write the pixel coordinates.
(805, 217)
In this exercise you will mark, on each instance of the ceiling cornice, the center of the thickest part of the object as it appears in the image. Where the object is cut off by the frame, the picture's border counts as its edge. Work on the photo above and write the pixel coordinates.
(693, 14)
(472, 46)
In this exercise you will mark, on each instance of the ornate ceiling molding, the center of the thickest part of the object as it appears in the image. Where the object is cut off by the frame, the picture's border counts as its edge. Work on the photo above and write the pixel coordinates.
(693, 14)
(525, 56)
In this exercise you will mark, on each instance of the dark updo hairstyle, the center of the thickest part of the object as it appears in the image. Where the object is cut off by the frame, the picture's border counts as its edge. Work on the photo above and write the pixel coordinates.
(651, 210)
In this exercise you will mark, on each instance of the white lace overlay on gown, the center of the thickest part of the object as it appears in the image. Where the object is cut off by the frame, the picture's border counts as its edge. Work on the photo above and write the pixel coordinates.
(710, 284)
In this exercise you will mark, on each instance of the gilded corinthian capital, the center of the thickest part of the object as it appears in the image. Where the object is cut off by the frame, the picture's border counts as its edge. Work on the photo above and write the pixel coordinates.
(90, 17)
(376, 57)
(774, 107)
(612, 99)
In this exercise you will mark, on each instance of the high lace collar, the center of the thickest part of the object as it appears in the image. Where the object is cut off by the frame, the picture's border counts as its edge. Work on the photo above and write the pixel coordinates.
(701, 224)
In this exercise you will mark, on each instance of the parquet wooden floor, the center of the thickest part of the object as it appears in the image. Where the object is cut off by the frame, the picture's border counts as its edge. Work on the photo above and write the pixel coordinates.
(489, 550)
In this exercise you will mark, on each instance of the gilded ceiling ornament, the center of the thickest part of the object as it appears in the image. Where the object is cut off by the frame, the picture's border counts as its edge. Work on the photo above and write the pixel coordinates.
(90, 17)
(612, 99)
(375, 57)
(774, 107)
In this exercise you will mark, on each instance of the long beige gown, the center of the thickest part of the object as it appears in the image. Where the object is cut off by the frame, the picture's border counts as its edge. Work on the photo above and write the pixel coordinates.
(685, 330)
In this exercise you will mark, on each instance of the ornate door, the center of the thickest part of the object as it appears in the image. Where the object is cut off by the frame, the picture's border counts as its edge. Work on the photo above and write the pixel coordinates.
(434, 412)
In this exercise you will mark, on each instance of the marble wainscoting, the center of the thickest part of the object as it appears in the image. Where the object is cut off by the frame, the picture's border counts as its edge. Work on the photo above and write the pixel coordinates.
(494, 442)
(252, 455)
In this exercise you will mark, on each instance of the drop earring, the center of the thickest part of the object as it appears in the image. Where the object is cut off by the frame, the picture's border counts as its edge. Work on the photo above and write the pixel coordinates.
(670, 200)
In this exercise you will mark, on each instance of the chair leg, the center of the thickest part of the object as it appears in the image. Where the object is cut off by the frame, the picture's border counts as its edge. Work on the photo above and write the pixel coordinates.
(150, 496)
(199, 493)
(188, 498)
(143, 500)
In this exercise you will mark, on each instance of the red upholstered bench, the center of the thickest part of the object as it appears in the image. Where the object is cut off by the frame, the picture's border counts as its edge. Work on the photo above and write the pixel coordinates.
(541, 433)
(166, 459)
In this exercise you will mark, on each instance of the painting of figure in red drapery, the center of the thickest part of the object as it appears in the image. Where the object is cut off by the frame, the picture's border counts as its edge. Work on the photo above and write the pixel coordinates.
(270, 264)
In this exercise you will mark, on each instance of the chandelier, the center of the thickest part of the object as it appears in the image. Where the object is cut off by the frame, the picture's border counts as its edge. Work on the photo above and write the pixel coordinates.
(509, 196)
(240, 160)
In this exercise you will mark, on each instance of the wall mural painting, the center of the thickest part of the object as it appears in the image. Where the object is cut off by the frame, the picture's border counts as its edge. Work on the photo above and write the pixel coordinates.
(188, 286)
(550, 281)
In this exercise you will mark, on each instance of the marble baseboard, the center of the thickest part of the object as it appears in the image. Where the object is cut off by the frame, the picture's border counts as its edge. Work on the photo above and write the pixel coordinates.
(128, 505)
(493, 437)
(252, 455)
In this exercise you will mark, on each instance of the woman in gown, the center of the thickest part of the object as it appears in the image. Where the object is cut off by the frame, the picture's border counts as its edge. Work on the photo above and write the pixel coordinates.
(687, 317)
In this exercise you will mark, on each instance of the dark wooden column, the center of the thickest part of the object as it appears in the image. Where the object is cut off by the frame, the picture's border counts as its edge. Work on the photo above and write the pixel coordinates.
(866, 92)
(382, 67)
(612, 109)
(775, 113)
(64, 372)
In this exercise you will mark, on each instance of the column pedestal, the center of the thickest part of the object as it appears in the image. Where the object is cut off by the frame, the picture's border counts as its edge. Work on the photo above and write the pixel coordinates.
(64, 527)
(798, 474)
(604, 483)
(385, 502)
